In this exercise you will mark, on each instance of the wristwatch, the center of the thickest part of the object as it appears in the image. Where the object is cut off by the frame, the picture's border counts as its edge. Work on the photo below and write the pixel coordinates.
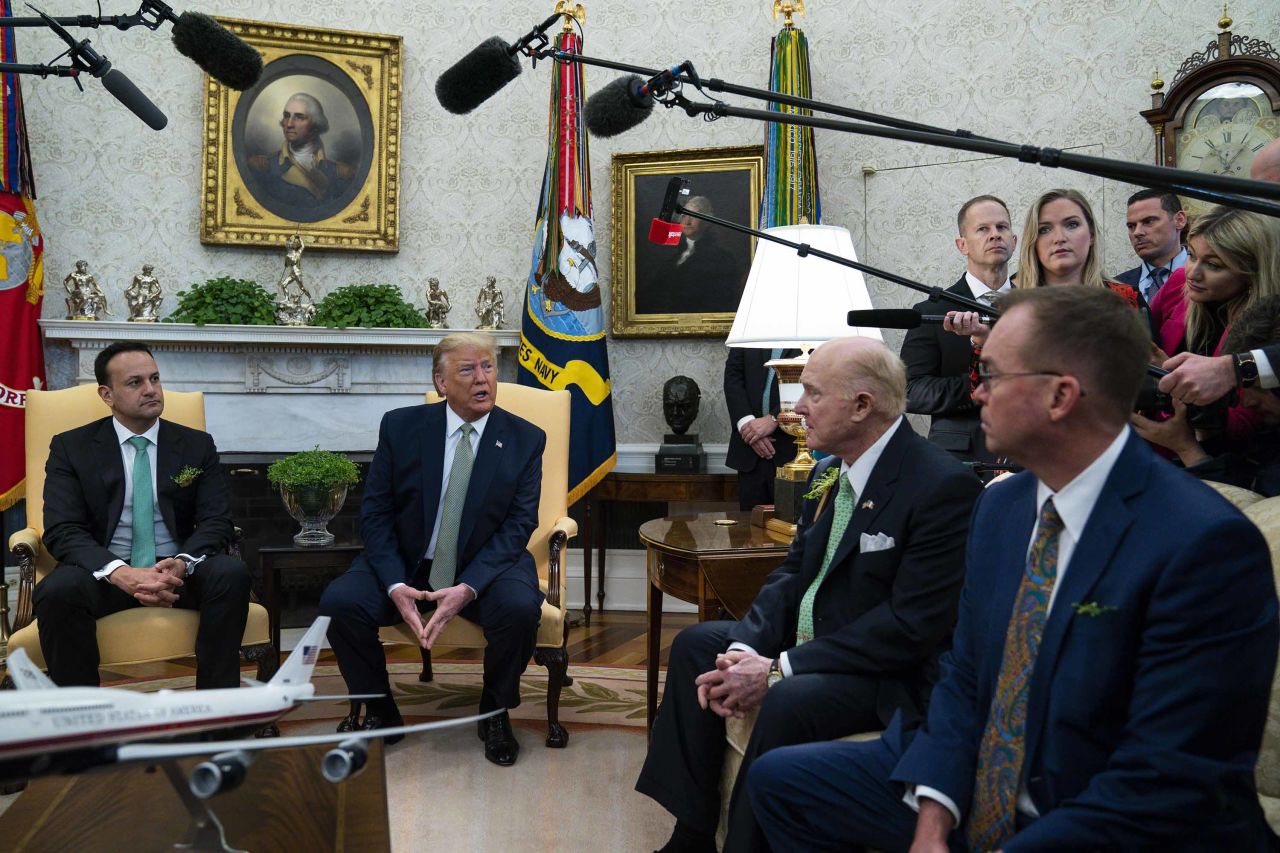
(1246, 369)
(775, 672)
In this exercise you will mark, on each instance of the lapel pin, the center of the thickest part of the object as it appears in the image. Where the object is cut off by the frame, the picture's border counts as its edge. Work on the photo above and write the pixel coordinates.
(868, 504)
(498, 443)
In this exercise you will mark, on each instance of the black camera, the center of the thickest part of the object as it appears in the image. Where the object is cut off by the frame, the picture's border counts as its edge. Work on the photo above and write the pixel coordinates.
(1157, 405)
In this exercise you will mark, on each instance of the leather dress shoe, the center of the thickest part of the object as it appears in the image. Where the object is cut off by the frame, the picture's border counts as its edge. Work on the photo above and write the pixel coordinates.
(386, 719)
(500, 744)
(351, 722)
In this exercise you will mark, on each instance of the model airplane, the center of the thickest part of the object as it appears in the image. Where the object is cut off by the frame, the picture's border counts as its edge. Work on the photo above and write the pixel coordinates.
(48, 729)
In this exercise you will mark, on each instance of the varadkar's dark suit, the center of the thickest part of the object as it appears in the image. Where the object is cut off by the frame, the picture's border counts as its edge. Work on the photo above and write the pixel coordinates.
(1144, 718)
(744, 378)
(397, 517)
(938, 381)
(83, 498)
(881, 619)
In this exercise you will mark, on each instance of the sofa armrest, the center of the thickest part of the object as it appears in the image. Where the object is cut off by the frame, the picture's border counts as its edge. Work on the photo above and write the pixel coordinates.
(557, 578)
(25, 545)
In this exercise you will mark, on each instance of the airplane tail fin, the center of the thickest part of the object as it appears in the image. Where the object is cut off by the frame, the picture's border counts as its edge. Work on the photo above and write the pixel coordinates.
(26, 675)
(297, 668)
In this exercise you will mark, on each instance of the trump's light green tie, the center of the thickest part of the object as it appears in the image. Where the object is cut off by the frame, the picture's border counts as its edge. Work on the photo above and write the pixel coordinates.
(143, 506)
(444, 565)
(841, 513)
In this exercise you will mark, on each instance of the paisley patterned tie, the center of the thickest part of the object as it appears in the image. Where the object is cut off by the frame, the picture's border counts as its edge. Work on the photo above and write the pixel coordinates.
(841, 513)
(1004, 743)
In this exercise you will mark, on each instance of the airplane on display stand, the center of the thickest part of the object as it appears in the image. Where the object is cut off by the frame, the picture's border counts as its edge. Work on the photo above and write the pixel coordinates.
(49, 729)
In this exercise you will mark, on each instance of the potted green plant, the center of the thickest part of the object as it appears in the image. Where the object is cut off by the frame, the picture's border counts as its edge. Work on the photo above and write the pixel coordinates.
(313, 486)
(370, 306)
(225, 300)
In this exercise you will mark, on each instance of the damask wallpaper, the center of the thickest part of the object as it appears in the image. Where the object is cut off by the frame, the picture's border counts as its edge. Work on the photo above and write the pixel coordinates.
(117, 194)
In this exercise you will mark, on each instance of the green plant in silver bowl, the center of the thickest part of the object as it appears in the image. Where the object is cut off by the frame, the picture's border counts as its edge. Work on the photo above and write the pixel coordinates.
(313, 486)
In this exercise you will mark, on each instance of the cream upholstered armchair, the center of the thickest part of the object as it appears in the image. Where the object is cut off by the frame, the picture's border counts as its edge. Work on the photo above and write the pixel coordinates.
(137, 635)
(550, 411)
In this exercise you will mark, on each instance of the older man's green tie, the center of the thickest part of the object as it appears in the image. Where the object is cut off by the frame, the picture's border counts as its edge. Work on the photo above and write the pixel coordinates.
(840, 515)
(444, 565)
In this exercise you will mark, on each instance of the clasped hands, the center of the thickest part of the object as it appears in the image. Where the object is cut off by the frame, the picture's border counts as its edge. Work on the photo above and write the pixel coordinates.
(448, 601)
(736, 686)
(153, 587)
(756, 433)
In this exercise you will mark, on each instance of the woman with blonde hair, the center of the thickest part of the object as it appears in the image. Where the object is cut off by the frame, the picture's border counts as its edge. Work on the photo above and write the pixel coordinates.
(1233, 261)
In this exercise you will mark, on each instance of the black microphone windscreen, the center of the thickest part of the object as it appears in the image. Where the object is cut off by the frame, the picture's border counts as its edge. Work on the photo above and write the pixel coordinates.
(885, 318)
(222, 54)
(139, 104)
(618, 106)
(477, 77)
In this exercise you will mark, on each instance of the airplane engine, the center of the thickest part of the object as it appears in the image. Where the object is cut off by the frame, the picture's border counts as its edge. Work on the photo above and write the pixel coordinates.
(221, 773)
(345, 760)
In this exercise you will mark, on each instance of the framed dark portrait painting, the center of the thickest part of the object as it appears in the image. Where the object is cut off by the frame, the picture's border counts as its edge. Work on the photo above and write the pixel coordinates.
(312, 148)
(691, 289)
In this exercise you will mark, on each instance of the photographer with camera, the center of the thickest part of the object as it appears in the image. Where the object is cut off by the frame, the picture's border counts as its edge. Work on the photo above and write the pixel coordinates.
(1233, 264)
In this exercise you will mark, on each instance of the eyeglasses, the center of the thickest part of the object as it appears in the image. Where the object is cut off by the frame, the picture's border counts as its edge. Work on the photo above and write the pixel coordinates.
(987, 378)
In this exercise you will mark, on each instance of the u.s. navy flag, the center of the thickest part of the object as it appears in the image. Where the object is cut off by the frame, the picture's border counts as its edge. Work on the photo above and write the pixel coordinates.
(21, 278)
(562, 341)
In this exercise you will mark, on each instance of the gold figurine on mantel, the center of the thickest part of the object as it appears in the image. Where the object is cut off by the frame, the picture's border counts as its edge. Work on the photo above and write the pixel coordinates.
(143, 296)
(85, 299)
(489, 305)
(787, 8)
(437, 304)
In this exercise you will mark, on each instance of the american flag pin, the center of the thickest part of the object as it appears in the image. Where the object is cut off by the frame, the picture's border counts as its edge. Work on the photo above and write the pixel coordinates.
(868, 504)
(498, 443)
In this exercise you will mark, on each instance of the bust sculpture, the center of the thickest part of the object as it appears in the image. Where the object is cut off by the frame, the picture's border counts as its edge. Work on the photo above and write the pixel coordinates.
(680, 452)
(680, 399)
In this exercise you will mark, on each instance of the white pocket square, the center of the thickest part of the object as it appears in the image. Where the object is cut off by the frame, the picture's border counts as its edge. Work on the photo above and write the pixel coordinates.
(880, 542)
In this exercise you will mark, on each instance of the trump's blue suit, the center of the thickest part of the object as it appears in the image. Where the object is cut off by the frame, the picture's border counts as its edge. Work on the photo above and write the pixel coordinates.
(1148, 699)
(397, 517)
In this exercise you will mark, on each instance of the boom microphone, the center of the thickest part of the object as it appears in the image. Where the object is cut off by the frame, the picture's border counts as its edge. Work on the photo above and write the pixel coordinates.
(618, 106)
(664, 230)
(901, 318)
(128, 94)
(222, 54)
(481, 74)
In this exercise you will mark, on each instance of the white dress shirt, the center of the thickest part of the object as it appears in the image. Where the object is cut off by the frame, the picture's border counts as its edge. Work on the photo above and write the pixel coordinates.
(1074, 503)
(452, 436)
(122, 540)
(858, 473)
(979, 287)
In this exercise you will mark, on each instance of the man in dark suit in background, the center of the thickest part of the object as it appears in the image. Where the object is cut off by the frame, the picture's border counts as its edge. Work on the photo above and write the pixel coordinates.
(1108, 684)
(137, 513)
(449, 506)
(848, 630)
(757, 447)
(698, 275)
(1155, 220)
(937, 360)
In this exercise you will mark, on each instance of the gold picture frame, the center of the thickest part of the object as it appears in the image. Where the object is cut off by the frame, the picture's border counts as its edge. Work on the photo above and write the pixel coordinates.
(347, 197)
(675, 291)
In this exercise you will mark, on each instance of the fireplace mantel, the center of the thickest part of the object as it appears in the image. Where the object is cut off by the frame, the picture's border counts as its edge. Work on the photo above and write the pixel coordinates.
(281, 388)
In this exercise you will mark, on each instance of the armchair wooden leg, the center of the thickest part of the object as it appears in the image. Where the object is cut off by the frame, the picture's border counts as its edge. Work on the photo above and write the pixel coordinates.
(268, 661)
(557, 663)
(426, 674)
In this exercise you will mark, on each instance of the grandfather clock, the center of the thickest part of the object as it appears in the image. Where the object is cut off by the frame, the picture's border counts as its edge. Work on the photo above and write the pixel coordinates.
(1221, 109)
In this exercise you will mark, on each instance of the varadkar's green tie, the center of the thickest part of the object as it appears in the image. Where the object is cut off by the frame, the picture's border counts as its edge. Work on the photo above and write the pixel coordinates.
(144, 507)
(841, 513)
(444, 565)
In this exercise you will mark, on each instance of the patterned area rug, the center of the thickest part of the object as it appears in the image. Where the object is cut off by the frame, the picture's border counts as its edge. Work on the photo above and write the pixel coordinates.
(599, 695)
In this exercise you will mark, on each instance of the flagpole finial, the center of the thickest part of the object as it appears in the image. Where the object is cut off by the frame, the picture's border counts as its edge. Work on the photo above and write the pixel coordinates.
(787, 8)
(571, 12)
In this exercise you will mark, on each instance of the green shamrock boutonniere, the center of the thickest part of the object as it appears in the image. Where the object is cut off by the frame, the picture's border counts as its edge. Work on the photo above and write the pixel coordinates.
(187, 476)
(1091, 608)
(823, 483)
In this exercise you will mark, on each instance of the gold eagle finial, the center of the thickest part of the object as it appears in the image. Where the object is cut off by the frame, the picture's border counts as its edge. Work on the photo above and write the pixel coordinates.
(571, 12)
(787, 8)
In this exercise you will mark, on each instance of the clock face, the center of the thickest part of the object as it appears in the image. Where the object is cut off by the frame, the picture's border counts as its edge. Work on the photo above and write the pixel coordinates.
(1223, 130)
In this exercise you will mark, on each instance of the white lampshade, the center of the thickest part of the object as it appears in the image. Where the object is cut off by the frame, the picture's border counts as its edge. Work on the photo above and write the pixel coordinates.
(798, 303)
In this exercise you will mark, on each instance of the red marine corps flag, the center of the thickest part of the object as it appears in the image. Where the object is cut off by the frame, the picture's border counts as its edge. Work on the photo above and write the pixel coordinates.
(21, 278)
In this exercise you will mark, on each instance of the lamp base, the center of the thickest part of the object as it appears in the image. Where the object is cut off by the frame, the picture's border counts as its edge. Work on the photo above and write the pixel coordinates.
(788, 499)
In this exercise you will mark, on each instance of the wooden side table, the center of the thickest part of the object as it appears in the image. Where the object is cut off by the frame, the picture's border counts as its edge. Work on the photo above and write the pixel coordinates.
(618, 486)
(274, 560)
(710, 564)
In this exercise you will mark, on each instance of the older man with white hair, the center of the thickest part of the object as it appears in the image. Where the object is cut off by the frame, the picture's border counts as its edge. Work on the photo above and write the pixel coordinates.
(849, 629)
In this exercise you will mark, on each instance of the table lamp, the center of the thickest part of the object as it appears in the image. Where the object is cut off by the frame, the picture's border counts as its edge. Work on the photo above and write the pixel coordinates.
(792, 301)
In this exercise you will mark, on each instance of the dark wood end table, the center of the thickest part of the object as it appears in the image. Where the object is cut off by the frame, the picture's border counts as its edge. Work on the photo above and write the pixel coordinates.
(274, 560)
